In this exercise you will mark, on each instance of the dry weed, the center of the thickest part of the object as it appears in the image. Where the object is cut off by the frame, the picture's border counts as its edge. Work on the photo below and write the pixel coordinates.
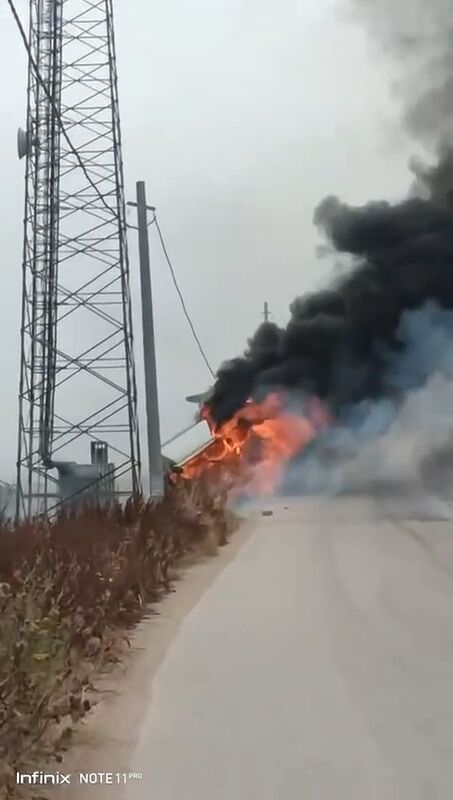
(69, 590)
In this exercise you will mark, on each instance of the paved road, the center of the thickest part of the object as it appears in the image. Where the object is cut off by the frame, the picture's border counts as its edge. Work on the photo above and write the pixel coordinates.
(318, 666)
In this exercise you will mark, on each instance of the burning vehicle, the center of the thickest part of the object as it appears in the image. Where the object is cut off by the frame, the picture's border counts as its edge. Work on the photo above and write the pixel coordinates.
(257, 442)
(378, 333)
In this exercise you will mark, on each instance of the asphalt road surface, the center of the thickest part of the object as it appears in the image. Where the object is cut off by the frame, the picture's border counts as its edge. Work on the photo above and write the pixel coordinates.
(318, 666)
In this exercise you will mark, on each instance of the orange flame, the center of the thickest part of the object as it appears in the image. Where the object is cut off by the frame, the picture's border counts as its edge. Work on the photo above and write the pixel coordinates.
(255, 445)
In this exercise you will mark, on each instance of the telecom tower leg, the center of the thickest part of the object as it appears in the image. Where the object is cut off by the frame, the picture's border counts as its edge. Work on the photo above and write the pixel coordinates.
(77, 373)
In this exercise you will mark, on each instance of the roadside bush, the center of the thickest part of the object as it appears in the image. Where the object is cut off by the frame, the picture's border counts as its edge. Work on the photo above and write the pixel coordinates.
(69, 590)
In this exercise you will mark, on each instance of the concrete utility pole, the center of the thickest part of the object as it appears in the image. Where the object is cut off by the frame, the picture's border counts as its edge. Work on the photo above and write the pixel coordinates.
(266, 312)
(155, 462)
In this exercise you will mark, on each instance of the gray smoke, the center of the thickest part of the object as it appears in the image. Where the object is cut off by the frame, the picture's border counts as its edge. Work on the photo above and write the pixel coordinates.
(392, 445)
(417, 35)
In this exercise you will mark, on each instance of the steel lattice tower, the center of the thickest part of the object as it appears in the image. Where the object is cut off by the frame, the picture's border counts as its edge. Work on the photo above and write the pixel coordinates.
(77, 375)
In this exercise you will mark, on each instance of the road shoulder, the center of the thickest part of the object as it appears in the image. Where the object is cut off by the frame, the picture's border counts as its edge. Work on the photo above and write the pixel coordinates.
(106, 739)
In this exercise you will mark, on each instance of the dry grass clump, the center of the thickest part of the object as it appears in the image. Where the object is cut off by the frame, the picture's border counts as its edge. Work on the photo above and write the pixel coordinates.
(68, 592)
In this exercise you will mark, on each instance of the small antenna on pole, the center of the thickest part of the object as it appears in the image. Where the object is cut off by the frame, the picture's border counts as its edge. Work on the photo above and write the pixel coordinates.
(23, 143)
(266, 312)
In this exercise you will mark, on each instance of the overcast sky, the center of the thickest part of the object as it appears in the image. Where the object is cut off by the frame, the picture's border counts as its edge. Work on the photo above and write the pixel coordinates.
(240, 115)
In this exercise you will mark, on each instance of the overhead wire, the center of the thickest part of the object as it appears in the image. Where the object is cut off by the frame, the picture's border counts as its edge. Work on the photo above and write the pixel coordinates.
(181, 433)
(181, 298)
(189, 320)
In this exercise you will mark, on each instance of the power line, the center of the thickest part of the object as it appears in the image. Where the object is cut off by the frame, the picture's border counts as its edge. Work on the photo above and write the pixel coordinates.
(43, 85)
(181, 298)
(181, 433)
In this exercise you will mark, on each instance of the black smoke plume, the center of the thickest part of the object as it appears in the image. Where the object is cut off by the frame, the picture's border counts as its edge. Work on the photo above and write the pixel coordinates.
(341, 344)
